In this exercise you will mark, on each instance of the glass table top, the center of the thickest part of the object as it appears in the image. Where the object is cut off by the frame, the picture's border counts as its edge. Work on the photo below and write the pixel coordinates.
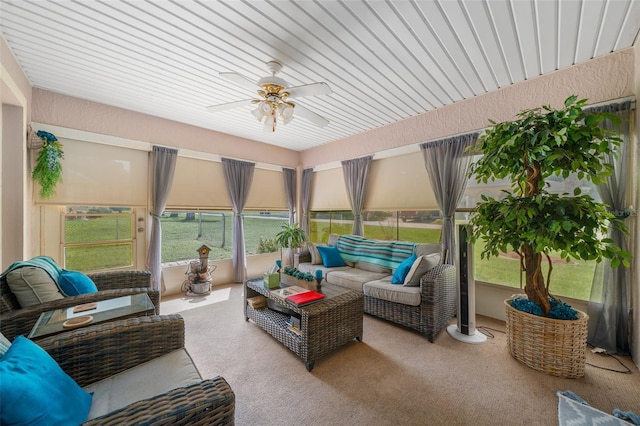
(64, 319)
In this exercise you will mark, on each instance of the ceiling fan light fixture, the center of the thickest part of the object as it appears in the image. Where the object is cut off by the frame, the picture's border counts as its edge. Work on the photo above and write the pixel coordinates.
(286, 112)
(273, 94)
(258, 112)
(270, 123)
(265, 107)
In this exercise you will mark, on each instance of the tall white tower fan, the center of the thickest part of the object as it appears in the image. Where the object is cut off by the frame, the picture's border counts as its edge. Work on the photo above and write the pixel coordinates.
(465, 330)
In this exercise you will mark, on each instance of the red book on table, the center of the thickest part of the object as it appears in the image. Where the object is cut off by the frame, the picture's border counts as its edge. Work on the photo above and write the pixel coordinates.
(305, 298)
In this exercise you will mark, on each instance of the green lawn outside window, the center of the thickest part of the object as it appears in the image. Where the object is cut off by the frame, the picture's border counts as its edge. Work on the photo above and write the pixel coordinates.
(105, 241)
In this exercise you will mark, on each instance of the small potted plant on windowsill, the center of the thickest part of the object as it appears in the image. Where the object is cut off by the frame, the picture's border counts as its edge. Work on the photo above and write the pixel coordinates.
(533, 222)
(47, 171)
(290, 238)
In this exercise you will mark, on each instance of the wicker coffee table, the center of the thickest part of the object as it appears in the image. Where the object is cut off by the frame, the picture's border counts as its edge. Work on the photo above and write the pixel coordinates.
(324, 326)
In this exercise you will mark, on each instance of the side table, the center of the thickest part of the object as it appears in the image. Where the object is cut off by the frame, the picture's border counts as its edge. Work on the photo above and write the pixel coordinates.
(51, 322)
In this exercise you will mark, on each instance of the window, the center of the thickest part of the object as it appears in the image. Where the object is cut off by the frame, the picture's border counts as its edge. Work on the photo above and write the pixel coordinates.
(183, 232)
(260, 229)
(324, 224)
(569, 279)
(98, 238)
(423, 226)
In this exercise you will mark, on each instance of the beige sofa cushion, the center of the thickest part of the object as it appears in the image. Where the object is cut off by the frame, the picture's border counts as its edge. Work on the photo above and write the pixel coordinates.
(4, 344)
(384, 290)
(311, 269)
(420, 267)
(372, 268)
(352, 278)
(316, 259)
(32, 286)
(426, 249)
(155, 377)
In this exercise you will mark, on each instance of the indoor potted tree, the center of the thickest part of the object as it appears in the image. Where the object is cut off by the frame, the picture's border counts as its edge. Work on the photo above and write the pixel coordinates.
(534, 223)
(290, 238)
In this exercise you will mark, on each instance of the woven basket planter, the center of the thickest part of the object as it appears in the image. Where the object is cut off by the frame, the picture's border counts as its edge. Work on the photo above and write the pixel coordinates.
(553, 346)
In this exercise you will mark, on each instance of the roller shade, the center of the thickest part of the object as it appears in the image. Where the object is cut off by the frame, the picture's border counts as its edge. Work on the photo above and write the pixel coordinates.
(394, 183)
(328, 191)
(200, 184)
(267, 191)
(100, 175)
(399, 183)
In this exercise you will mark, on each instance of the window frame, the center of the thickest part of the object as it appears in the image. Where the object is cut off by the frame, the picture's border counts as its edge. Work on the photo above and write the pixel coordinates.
(131, 241)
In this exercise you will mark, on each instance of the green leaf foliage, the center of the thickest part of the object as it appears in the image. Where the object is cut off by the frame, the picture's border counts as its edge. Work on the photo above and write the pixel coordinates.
(571, 226)
(541, 143)
(291, 236)
(558, 142)
(47, 171)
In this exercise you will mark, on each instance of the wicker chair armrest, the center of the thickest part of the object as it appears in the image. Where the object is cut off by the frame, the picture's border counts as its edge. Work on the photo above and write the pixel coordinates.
(440, 277)
(21, 321)
(93, 353)
(439, 293)
(210, 402)
(302, 256)
(113, 280)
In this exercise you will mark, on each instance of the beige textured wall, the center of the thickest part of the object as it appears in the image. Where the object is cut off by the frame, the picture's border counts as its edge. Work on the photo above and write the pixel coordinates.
(65, 111)
(15, 187)
(13, 204)
(599, 80)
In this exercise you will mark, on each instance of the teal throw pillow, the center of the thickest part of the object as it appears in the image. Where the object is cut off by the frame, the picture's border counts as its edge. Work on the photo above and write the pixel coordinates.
(73, 283)
(331, 257)
(402, 270)
(35, 391)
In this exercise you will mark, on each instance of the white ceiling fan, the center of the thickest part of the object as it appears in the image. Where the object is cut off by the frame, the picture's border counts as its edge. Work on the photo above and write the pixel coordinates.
(274, 100)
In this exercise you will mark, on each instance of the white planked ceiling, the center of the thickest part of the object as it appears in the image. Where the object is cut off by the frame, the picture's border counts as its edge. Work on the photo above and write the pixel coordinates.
(385, 60)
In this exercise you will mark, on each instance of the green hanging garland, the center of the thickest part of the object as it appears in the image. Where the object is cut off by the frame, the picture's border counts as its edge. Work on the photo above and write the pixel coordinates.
(48, 170)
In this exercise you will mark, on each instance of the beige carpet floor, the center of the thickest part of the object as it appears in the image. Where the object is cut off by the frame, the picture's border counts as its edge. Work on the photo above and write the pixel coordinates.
(393, 377)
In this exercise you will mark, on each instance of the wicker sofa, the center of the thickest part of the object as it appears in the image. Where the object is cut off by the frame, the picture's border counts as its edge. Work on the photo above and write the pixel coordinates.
(15, 320)
(426, 307)
(108, 359)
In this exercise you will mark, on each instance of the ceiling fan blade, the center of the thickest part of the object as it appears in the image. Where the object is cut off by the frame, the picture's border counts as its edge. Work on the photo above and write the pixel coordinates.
(240, 79)
(312, 89)
(229, 105)
(316, 119)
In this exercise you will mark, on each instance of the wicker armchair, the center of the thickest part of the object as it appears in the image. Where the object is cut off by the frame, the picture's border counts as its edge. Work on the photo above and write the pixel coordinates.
(97, 352)
(15, 321)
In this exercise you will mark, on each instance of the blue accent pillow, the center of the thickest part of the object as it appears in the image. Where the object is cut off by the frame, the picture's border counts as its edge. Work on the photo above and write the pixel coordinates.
(402, 270)
(331, 257)
(73, 283)
(35, 391)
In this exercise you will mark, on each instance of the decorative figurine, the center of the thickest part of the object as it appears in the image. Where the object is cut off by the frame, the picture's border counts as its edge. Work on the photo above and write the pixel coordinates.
(319, 280)
(198, 273)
